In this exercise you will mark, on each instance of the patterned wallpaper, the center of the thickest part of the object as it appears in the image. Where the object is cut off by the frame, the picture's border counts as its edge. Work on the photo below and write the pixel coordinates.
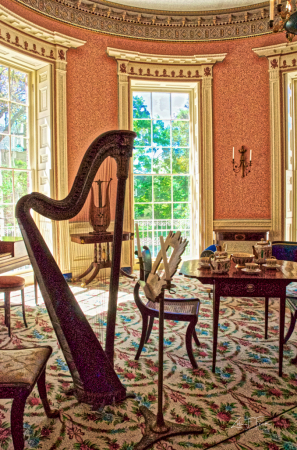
(241, 107)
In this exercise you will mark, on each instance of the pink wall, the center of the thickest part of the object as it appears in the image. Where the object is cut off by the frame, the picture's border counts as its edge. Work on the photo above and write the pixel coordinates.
(241, 107)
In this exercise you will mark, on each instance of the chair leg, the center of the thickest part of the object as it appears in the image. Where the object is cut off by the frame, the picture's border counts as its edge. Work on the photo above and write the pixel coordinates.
(7, 311)
(197, 342)
(150, 327)
(189, 335)
(16, 421)
(291, 327)
(142, 339)
(42, 392)
(266, 316)
(23, 307)
(36, 290)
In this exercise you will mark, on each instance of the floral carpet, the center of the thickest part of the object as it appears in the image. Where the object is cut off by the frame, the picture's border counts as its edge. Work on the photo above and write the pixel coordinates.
(244, 405)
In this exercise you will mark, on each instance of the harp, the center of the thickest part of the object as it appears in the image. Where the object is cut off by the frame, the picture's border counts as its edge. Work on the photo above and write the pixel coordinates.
(95, 381)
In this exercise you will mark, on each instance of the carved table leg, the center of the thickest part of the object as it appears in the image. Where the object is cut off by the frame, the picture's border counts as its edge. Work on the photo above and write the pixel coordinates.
(216, 311)
(282, 309)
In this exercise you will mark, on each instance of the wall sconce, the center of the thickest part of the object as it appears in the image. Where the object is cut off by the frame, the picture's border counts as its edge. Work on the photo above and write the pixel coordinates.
(244, 166)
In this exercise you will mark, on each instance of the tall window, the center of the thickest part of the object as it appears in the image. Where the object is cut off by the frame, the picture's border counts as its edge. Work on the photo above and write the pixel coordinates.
(15, 176)
(161, 165)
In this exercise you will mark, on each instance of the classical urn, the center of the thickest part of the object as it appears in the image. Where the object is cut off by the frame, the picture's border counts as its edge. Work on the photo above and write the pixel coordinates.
(262, 250)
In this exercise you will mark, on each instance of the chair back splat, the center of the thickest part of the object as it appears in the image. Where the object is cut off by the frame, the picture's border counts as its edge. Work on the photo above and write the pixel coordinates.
(95, 381)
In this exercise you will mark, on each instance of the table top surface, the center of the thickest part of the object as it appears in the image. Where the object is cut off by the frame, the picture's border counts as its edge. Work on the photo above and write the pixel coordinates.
(88, 238)
(287, 271)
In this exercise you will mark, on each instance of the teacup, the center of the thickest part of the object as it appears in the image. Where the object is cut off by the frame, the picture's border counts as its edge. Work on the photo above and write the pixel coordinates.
(272, 261)
(251, 266)
(204, 261)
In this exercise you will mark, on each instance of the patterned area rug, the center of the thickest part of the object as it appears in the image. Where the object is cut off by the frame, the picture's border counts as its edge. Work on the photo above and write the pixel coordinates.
(244, 405)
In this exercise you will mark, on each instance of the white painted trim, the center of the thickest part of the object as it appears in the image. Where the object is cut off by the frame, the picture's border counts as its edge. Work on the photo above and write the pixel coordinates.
(35, 47)
(31, 29)
(193, 71)
(242, 225)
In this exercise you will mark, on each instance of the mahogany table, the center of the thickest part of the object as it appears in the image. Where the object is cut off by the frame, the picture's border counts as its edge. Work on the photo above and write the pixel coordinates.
(268, 283)
(99, 262)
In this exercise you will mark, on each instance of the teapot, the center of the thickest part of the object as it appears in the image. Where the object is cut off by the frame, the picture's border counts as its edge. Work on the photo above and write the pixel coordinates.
(262, 250)
(219, 264)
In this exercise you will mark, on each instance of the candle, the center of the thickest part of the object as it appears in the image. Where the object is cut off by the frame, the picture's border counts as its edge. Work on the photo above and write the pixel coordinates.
(271, 9)
(164, 256)
(138, 241)
(233, 153)
(250, 155)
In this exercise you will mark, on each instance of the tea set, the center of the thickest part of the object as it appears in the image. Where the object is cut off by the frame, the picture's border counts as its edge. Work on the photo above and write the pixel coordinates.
(220, 262)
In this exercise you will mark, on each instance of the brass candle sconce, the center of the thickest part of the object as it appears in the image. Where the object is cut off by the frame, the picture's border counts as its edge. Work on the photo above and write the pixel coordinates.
(243, 166)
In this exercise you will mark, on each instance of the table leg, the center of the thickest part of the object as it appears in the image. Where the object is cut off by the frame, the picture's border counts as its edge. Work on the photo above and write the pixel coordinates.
(282, 309)
(216, 310)
(266, 316)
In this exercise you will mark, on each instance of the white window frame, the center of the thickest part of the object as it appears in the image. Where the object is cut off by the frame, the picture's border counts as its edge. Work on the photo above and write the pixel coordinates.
(170, 68)
(48, 50)
(193, 89)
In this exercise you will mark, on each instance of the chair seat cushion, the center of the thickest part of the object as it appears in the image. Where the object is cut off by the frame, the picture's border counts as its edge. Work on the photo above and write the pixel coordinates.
(175, 307)
(22, 367)
(11, 281)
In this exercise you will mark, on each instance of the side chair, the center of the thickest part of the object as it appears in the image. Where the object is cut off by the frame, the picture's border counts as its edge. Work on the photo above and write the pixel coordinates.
(286, 251)
(177, 309)
(20, 371)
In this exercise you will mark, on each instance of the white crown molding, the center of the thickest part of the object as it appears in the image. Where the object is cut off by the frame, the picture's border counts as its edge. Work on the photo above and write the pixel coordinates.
(164, 59)
(25, 26)
(279, 49)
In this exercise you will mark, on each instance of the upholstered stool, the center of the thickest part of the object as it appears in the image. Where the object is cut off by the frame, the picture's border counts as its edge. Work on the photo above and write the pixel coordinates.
(20, 370)
(10, 284)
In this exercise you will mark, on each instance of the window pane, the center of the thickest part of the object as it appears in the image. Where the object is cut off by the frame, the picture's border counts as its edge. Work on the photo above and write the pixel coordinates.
(181, 189)
(143, 211)
(4, 117)
(181, 210)
(180, 160)
(142, 160)
(18, 119)
(162, 189)
(161, 133)
(4, 149)
(21, 184)
(4, 86)
(143, 188)
(161, 105)
(143, 130)
(162, 211)
(6, 221)
(180, 106)
(142, 105)
(19, 152)
(180, 134)
(161, 160)
(18, 86)
(6, 181)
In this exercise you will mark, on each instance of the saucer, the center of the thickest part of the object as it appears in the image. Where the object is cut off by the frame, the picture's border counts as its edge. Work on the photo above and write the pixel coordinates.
(204, 266)
(277, 266)
(251, 271)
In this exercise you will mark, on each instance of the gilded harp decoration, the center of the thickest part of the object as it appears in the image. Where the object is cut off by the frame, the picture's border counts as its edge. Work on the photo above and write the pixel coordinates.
(99, 216)
(95, 381)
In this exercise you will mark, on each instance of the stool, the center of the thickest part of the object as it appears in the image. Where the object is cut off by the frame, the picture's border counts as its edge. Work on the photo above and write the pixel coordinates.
(10, 284)
(20, 370)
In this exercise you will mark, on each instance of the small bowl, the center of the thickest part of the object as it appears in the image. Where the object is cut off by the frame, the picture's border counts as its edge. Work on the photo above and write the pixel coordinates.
(252, 266)
(242, 258)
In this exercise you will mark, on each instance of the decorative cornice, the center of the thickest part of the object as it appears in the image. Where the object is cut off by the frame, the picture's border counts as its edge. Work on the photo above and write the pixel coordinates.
(120, 20)
(146, 65)
(281, 56)
(131, 56)
(29, 28)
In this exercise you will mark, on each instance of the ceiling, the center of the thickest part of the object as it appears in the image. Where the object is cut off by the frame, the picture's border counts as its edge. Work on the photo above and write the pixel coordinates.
(185, 5)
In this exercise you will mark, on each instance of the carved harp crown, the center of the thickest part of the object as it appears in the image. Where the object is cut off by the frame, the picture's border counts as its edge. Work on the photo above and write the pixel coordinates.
(95, 381)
